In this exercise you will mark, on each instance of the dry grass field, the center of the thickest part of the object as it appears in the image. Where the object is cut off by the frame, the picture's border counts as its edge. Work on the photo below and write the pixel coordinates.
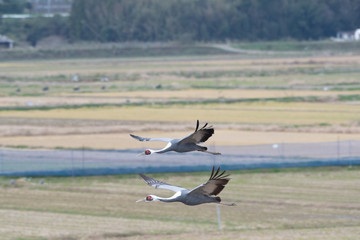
(314, 203)
(123, 140)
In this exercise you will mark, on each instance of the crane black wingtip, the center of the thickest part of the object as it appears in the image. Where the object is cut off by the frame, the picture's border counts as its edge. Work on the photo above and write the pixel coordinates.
(147, 179)
(143, 176)
(217, 175)
(212, 172)
(204, 126)
(197, 125)
(137, 137)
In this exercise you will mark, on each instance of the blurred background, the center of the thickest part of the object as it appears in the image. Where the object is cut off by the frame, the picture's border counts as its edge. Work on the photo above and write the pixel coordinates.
(279, 80)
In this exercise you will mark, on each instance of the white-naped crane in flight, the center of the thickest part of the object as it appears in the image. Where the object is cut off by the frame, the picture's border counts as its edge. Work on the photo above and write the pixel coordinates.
(204, 193)
(186, 144)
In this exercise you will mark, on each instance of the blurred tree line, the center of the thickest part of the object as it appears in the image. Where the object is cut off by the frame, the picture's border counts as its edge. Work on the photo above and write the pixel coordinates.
(32, 29)
(196, 20)
(14, 6)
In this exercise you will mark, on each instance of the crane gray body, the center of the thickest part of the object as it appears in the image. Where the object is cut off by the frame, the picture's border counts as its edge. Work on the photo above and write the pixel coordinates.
(180, 148)
(189, 199)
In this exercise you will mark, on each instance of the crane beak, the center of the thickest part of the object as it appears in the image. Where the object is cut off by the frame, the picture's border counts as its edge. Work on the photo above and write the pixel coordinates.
(141, 200)
(140, 154)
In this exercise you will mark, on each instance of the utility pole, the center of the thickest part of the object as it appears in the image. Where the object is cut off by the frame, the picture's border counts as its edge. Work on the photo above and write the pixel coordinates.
(338, 148)
(83, 169)
(218, 216)
(350, 153)
(72, 162)
(1, 163)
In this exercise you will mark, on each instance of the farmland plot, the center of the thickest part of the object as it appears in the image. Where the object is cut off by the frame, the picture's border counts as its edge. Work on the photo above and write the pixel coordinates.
(96, 103)
(319, 203)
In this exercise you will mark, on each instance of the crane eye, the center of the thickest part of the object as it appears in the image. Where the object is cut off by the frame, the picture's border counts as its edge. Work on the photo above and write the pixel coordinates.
(149, 198)
(147, 152)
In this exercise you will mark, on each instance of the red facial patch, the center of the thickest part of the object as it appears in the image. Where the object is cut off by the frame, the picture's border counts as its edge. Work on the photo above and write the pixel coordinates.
(147, 152)
(149, 198)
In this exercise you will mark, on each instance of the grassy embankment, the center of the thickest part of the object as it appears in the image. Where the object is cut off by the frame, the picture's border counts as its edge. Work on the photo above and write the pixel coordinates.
(303, 203)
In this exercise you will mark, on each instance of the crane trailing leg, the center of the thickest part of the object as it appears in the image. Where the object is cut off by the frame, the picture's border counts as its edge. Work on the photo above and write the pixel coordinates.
(204, 149)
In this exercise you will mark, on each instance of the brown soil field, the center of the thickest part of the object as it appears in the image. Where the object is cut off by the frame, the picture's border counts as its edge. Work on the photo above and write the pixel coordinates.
(56, 67)
(124, 141)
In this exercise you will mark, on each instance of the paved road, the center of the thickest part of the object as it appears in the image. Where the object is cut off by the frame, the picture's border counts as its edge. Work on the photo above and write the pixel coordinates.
(77, 162)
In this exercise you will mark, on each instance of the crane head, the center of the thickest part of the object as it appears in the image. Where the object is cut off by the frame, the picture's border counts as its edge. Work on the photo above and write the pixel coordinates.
(149, 198)
(147, 152)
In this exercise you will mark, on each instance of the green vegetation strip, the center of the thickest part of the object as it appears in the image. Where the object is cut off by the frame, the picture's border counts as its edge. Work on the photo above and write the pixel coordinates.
(299, 46)
(169, 103)
(113, 51)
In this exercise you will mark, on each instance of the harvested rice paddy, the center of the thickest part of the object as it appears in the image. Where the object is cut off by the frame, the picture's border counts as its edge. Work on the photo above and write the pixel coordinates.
(320, 203)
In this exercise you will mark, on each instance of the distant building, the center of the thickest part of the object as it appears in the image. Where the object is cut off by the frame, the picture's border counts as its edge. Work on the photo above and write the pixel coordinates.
(44, 8)
(6, 42)
(348, 35)
(50, 6)
(23, 16)
(357, 34)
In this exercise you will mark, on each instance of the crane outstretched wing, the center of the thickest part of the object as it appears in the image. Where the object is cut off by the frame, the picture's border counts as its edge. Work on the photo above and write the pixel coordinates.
(214, 185)
(199, 135)
(150, 139)
(157, 184)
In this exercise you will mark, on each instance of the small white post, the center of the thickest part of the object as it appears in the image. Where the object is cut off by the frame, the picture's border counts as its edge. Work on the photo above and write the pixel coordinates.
(218, 216)
(1, 163)
(350, 154)
(72, 162)
(338, 148)
(83, 169)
